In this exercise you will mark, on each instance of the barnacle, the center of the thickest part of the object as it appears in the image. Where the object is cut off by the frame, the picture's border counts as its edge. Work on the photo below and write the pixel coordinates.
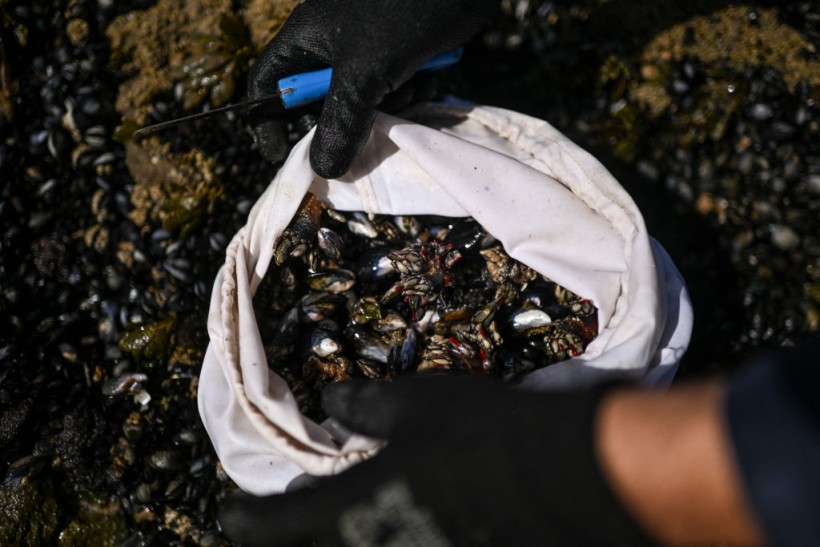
(509, 275)
(147, 44)
(215, 64)
(565, 339)
(174, 189)
(300, 236)
(424, 271)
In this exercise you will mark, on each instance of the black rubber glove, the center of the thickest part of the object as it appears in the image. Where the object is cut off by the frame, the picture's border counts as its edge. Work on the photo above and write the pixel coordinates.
(374, 46)
(467, 462)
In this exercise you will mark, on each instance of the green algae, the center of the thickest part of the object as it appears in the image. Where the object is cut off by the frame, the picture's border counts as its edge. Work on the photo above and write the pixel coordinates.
(149, 340)
(96, 524)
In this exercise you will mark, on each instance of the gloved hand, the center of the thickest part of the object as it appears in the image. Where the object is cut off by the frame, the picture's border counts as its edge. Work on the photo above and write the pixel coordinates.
(374, 46)
(467, 462)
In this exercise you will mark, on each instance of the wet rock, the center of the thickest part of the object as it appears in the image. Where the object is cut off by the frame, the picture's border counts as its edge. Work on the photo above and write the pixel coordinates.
(12, 419)
(95, 524)
(75, 445)
(30, 514)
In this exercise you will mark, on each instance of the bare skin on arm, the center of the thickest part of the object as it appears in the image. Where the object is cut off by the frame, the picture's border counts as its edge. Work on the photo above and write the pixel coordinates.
(669, 458)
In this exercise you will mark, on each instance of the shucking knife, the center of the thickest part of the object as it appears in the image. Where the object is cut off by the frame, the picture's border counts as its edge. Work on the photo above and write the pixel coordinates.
(295, 91)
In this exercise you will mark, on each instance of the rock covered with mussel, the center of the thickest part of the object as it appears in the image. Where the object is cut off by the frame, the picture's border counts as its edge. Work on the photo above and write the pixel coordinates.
(379, 296)
(101, 439)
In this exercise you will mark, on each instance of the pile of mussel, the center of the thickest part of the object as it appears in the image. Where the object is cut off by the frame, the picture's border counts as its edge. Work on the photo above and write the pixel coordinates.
(377, 296)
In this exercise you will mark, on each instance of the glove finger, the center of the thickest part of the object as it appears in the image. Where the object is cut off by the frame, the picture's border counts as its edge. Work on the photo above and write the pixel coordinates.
(299, 46)
(267, 121)
(347, 118)
(308, 513)
(296, 48)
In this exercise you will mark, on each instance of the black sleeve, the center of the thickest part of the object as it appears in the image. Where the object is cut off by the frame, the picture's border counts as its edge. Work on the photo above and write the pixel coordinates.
(773, 412)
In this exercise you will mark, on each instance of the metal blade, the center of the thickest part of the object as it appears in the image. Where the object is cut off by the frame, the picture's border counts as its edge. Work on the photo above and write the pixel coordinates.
(171, 123)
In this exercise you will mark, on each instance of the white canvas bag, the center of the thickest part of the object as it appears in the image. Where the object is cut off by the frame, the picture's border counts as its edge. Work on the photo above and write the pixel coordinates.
(550, 203)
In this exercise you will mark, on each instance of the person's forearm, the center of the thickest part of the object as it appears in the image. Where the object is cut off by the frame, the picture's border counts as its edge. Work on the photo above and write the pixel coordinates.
(668, 458)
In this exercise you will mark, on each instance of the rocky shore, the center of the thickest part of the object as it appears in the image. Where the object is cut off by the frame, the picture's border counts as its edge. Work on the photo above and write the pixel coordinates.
(705, 111)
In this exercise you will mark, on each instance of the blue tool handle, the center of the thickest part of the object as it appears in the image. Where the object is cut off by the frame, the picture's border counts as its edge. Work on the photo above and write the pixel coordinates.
(308, 87)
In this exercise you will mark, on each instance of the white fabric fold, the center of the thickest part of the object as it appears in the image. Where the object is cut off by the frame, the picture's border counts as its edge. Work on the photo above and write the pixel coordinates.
(551, 204)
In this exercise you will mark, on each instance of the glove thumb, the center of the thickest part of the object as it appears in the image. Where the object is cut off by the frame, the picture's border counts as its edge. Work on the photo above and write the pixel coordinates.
(406, 406)
(347, 118)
